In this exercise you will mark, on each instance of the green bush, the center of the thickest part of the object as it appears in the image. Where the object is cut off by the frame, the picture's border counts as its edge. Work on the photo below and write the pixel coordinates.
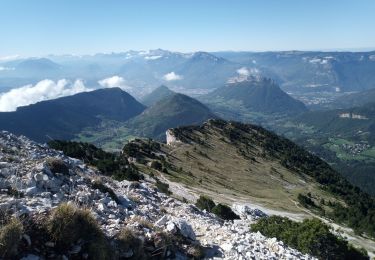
(97, 184)
(163, 187)
(130, 174)
(156, 165)
(108, 164)
(310, 236)
(220, 210)
(205, 203)
(10, 236)
(224, 212)
(306, 201)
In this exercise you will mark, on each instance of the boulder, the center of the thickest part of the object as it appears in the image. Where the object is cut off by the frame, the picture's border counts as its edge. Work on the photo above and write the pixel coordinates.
(185, 229)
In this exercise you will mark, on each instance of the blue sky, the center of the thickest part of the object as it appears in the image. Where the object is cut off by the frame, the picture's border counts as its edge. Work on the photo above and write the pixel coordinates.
(40, 27)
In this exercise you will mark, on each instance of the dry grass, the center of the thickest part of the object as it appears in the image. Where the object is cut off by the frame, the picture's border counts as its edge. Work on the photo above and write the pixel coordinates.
(127, 240)
(68, 224)
(10, 236)
(219, 169)
(141, 221)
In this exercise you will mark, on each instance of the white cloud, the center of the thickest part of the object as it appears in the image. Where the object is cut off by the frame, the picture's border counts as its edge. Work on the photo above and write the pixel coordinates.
(172, 76)
(43, 90)
(9, 58)
(114, 82)
(243, 71)
(5, 68)
(245, 74)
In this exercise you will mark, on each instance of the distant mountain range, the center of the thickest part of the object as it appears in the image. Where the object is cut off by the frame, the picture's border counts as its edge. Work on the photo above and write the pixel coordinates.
(65, 117)
(200, 72)
(311, 71)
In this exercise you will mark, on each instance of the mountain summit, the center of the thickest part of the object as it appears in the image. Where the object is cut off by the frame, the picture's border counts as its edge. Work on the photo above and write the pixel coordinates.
(156, 95)
(257, 95)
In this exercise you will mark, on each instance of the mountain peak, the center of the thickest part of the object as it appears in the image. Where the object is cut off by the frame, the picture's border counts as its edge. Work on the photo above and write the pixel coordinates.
(257, 95)
(156, 95)
(173, 110)
(200, 55)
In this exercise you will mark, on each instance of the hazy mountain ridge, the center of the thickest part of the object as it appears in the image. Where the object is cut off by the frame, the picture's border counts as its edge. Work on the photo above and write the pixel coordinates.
(65, 117)
(257, 95)
(172, 111)
(156, 95)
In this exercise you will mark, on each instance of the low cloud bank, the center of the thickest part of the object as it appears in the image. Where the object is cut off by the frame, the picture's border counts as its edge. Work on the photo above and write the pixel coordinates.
(43, 90)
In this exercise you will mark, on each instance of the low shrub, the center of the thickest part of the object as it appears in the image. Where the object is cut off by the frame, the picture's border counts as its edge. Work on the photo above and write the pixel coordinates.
(205, 203)
(97, 184)
(306, 201)
(14, 192)
(196, 251)
(163, 187)
(224, 212)
(130, 174)
(127, 240)
(310, 236)
(10, 236)
(57, 166)
(156, 165)
(109, 164)
(69, 224)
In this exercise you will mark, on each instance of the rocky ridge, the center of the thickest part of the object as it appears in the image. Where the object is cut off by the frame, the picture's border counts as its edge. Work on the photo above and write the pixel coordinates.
(29, 185)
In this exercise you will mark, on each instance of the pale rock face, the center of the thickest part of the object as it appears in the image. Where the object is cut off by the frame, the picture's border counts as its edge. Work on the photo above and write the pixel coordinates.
(245, 212)
(185, 229)
(171, 138)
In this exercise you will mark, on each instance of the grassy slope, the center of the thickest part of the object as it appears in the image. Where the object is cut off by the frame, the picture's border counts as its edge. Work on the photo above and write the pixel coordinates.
(216, 166)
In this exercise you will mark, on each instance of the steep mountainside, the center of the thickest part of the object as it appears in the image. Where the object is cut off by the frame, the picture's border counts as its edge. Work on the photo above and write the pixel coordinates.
(356, 123)
(64, 117)
(354, 99)
(156, 95)
(343, 137)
